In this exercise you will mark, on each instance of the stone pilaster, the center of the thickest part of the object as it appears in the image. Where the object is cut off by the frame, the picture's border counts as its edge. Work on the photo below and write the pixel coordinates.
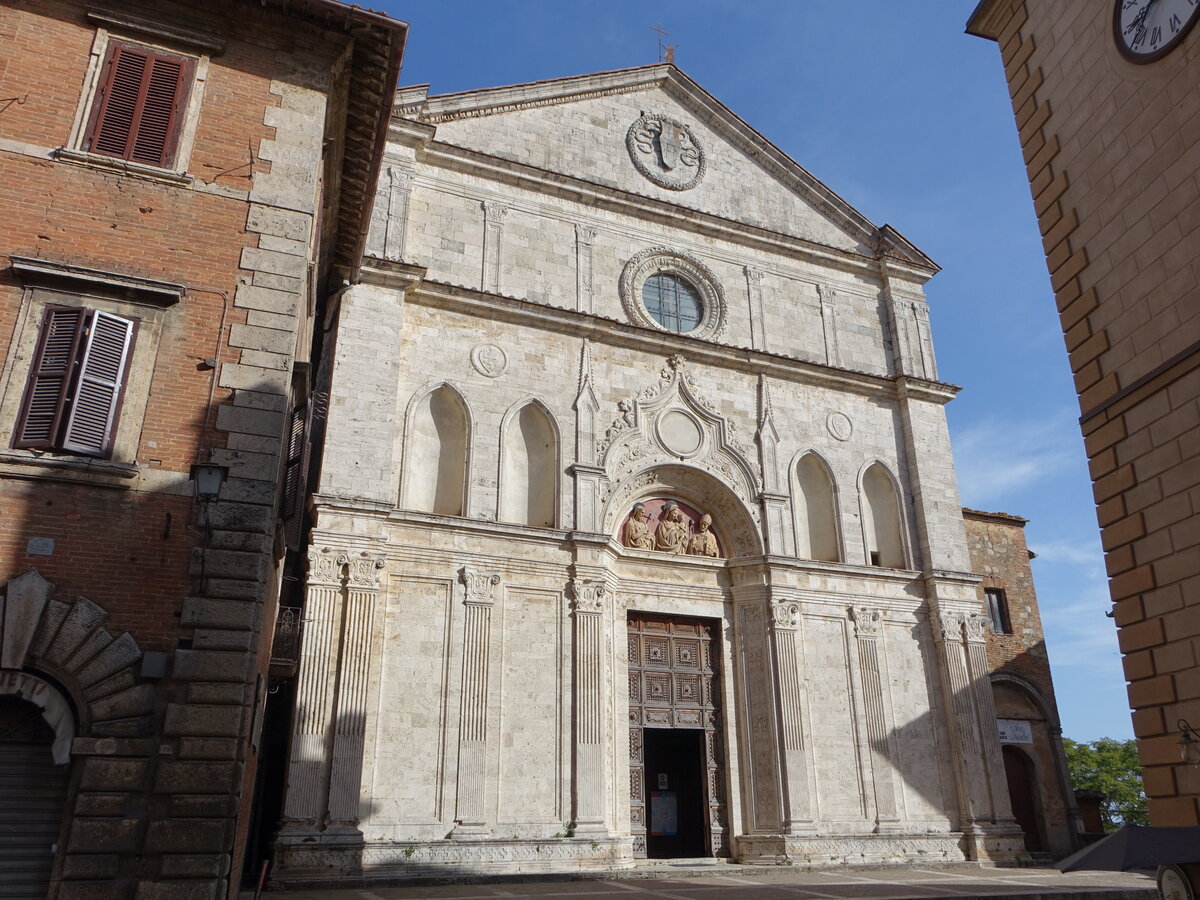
(350, 720)
(785, 620)
(304, 809)
(833, 355)
(585, 238)
(591, 600)
(400, 181)
(479, 599)
(762, 777)
(493, 222)
(866, 629)
(758, 330)
(975, 628)
(920, 311)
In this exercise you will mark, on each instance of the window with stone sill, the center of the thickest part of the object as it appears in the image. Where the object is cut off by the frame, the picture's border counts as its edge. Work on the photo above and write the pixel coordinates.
(997, 610)
(77, 378)
(141, 97)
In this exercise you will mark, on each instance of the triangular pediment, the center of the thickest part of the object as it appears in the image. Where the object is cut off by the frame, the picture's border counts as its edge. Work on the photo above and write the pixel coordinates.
(586, 127)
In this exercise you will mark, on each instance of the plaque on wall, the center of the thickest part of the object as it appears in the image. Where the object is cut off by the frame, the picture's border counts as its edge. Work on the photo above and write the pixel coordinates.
(1015, 731)
(664, 814)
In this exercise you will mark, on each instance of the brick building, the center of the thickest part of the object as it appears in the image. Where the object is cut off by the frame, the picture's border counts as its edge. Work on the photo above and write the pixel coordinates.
(1109, 120)
(181, 182)
(1035, 766)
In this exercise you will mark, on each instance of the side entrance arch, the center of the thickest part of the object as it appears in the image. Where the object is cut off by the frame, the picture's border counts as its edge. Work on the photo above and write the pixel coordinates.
(35, 735)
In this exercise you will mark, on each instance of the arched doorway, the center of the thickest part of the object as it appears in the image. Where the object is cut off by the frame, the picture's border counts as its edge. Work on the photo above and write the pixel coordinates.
(1023, 794)
(34, 790)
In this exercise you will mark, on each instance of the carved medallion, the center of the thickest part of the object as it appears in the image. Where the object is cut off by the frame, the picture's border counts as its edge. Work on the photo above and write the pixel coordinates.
(489, 360)
(665, 151)
(839, 425)
(680, 433)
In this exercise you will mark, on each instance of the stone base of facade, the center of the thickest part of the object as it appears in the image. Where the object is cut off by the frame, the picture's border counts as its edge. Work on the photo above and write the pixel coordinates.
(320, 860)
(998, 845)
(832, 850)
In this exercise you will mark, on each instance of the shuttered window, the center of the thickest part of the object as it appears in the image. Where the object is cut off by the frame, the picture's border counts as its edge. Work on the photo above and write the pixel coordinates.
(73, 396)
(139, 105)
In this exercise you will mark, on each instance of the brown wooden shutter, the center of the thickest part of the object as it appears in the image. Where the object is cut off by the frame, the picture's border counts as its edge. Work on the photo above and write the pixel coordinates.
(44, 403)
(139, 105)
(95, 405)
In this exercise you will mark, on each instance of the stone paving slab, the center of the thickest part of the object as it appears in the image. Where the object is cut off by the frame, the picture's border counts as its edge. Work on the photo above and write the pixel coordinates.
(708, 882)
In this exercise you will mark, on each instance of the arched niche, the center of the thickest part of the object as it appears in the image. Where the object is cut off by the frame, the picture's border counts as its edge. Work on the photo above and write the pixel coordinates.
(733, 523)
(53, 706)
(883, 533)
(529, 467)
(436, 459)
(654, 510)
(814, 501)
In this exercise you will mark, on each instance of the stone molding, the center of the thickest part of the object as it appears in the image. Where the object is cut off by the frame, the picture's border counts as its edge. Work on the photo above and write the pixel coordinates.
(664, 260)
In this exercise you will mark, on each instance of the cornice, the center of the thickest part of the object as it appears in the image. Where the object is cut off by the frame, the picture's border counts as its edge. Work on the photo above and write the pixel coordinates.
(580, 324)
(547, 183)
(988, 18)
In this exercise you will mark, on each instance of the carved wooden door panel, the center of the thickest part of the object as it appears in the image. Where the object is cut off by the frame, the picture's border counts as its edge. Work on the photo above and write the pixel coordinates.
(674, 683)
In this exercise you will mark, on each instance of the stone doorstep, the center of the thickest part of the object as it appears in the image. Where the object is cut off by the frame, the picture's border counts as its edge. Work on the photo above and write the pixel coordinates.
(984, 881)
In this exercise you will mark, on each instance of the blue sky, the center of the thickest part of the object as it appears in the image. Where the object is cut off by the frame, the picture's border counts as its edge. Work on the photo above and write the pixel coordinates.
(906, 117)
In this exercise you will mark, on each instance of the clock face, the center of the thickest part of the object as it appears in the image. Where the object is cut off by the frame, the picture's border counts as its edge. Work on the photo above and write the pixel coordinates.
(1148, 29)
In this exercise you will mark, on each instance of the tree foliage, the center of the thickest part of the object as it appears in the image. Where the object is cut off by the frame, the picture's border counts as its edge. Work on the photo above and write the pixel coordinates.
(1112, 768)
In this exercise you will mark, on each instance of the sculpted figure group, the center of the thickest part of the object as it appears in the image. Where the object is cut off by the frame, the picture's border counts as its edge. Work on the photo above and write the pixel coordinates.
(671, 535)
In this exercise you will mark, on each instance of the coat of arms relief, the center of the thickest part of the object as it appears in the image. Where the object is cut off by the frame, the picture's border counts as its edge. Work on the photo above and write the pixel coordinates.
(666, 151)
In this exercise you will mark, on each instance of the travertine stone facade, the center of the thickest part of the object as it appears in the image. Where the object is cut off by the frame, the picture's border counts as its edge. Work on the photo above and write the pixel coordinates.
(1112, 148)
(501, 399)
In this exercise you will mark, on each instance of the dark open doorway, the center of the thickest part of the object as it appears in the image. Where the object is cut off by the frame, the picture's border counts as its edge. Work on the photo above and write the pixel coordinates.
(675, 793)
(1023, 793)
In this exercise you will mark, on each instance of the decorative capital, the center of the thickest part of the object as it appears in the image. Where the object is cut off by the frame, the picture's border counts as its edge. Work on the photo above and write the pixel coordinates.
(826, 294)
(753, 276)
(585, 234)
(590, 596)
(325, 566)
(866, 621)
(365, 570)
(400, 177)
(480, 586)
(493, 211)
(976, 628)
(785, 615)
(948, 627)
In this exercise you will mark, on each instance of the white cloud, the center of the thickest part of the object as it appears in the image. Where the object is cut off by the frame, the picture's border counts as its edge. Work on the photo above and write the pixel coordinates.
(997, 459)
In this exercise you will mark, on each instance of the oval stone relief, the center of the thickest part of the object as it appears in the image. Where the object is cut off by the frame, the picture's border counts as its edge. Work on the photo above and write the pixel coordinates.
(680, 433)
(489, 360)
(665, 151)
(839, 425)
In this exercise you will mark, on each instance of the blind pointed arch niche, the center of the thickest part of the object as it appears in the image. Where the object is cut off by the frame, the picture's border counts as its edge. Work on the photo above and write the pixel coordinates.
(437, 454)
(529, 468)
(881, 519)
(814, 496)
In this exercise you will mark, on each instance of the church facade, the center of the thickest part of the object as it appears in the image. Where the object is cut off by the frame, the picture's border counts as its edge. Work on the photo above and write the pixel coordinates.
(636, 531)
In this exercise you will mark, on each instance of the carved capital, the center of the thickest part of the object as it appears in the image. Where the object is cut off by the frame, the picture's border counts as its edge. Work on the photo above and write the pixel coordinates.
(976, 628)
(826, 294)
(325, 566)
(400, 178)
(948, 627)
(493, 211)
(480, 586)
(866, 621)
(785, 615)
(585, 234)
(365, 570)
(589, 596)
(754, 276)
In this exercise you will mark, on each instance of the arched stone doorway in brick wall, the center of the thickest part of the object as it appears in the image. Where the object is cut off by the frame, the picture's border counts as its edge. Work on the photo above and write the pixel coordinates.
(36, 729)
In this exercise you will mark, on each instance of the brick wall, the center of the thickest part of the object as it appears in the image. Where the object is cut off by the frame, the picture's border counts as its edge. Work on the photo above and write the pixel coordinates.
(1113, 150)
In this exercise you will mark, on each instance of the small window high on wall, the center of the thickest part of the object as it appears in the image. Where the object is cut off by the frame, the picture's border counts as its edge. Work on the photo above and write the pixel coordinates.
(529, 468)
(881, 519)
(816, 518)
(436, 461)
(997, 610)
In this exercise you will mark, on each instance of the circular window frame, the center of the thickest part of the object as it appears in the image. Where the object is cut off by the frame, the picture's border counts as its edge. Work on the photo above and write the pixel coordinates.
(663, 261)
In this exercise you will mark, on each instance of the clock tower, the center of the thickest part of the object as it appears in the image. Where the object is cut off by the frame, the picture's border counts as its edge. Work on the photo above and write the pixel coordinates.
(1106, 104)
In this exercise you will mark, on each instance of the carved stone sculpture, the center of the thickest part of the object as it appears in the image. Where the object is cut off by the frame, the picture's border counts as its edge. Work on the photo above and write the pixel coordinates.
(703, 542)
(637, 533)
(671, 534)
